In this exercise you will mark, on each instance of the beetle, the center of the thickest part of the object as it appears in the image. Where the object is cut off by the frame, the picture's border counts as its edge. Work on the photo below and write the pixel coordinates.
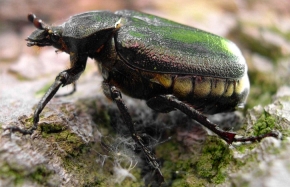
(167, 64)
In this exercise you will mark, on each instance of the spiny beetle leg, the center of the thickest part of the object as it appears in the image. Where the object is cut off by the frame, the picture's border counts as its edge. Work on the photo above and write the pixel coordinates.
(117, 97)
(69, 93)
(42, 103)
(229, 137)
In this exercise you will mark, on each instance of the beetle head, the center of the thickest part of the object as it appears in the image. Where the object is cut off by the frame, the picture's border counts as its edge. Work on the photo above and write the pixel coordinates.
(44, 35)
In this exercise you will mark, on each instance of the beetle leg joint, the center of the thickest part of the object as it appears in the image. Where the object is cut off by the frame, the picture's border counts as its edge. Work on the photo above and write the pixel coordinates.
(115, 94)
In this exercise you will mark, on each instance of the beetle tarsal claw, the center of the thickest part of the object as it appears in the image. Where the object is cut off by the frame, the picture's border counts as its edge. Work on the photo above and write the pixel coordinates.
(22, 131)
(274, 134)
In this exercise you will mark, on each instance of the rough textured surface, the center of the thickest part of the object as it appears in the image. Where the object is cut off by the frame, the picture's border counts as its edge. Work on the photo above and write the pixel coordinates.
(76, 143)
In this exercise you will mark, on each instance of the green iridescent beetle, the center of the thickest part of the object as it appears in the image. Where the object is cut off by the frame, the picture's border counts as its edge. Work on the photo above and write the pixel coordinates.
(171, 66)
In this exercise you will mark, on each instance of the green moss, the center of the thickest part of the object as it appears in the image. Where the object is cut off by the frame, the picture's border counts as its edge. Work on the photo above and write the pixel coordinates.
(7, 172)
(284, 98)
(83, 166)
(89, 172)
(79, 158)
(67, 141)
(241, 149)
(40, 175)
(245, 147)
(26, 121)
(264, 124)
(182, 182)
(208, 167)
(170, 153)
(214, 159)
(177, 168)
(189, 181)
(96, 109)
(51, 128)
(102, 118)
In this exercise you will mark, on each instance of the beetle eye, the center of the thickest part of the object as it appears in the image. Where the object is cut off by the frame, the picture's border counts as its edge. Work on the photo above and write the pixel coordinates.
(54, 37)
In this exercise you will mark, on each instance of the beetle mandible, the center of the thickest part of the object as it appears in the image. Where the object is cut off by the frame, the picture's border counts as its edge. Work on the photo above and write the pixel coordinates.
(169, 65)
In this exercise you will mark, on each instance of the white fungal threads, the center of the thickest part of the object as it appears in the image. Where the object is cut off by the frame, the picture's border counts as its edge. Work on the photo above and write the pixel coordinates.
(121, 174)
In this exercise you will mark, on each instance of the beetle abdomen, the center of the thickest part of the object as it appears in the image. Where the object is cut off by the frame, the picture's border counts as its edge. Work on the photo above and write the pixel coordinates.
(208, 94)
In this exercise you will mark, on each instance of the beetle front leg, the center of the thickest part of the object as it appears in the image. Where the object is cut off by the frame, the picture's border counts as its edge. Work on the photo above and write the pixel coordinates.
(64, 78)
(229, 137)
(117, 97)
(42, 103)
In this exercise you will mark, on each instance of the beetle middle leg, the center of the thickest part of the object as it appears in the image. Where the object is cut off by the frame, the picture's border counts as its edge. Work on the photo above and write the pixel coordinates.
(74, 84)
(170, 101)
(117, 97)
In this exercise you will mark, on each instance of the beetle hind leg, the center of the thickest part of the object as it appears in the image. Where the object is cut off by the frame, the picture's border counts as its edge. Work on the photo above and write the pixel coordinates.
(159, 105)
(229, 137)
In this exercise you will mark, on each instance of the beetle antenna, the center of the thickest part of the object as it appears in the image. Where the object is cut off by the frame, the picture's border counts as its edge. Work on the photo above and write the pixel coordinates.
(38, 23)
